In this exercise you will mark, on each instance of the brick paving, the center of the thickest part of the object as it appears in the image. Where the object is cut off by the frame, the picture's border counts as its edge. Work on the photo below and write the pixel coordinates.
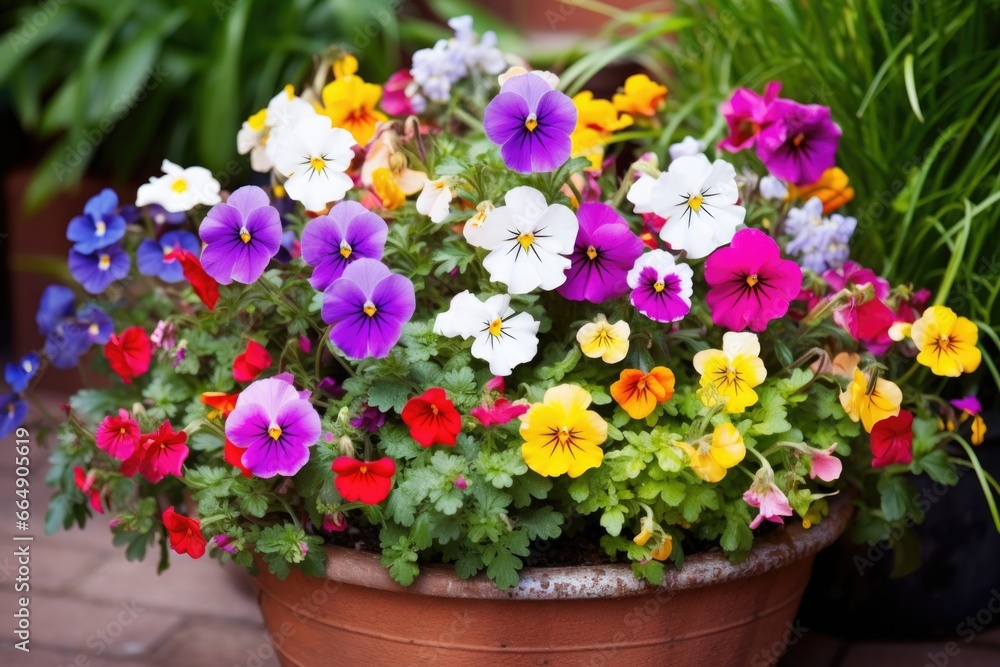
(92, 608)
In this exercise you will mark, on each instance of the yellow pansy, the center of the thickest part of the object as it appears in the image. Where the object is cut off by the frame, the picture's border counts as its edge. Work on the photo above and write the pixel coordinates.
(602, 339)
(596, 120)
(350, 103)
(710, 458)
(730, 374)
(870, 407)
(947, 342)
(561, 436)
(640, 96)
(663, 550)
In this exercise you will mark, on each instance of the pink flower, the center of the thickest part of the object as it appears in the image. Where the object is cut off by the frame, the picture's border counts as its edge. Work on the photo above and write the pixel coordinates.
(746, 114)
(868, 323)
(225, 542)
(85, 482)
(163, 336)
(163, 453)
(501, 412)
(461, 483)
(334, 523)
(497, 384)
(765, 495)
(852, 274)
(749, 283)
(305, 344)
(118, 436)
(395, 101)
(824, 464)
(969, 404)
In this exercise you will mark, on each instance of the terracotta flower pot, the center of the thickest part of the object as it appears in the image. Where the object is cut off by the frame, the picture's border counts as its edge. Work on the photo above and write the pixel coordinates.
(710, 612)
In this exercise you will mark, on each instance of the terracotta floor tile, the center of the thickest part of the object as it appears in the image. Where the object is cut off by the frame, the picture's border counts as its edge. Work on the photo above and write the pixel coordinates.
(95, 629)
(216, 642)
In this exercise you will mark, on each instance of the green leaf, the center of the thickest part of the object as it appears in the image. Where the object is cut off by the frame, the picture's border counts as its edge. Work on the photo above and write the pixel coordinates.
(613, 519)
(387, 395)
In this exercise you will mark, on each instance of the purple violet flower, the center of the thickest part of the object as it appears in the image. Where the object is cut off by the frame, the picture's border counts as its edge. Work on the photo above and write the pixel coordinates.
(369, 419)
(19, 374)
(331, 242)
(150, 255)
(604, 251)
(242, 234)
(368, 306)
(531, 122)
(99, 226)
(99, 269)
(661, 288)
(276, 425)
(13, 412)
(798, 141)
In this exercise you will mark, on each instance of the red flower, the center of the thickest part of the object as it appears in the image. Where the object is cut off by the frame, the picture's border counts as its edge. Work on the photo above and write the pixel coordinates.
(163, 453)
(367, 481)
(250, 363)
(118, 436)
(234, 456)
(129, 353)
(204, 285)
(892, 440)
(85, 483)
(432, 418)
(224, 403)
(184, 533)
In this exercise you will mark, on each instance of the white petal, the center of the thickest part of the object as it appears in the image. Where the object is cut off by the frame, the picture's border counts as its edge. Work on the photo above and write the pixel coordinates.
(464, 317)
(526, 204)
(315, 191)
(737, 343)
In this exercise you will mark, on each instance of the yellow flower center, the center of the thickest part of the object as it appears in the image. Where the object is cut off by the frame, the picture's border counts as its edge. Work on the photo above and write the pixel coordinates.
(799, 138)
(370, 309)
(363, 470)
(694, 203)
(245, 234)
(167, 249)
(256, 121)
(526, 240)
(317, 164)
(122, 430)
(659, 286)
(104, 262)
(531, 123)
(495, 327)
(290, 91)
(274, 432)
(100, 228)
(752, 279)
(345, 250)
(944, 342)
(179, 186)
(564, 436)
(94, 330)
(592, 252)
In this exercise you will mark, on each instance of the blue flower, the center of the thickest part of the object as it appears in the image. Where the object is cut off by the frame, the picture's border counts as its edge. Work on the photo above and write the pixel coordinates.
(99, 269)
(99, 226)
(161, 216)
(149, 256)
(13, 411)
(69, 335)
(819, 243)
(19, 375)
(55, 306)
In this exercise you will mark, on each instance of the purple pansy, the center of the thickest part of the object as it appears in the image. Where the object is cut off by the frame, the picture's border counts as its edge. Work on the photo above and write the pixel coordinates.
(531, 122)
(18, 374)
(368, 419)
(13, 411)
(242, 234)
(798, 142)
(68, 335)
(368, 306)
(749, 283)
(661, 288)
(604, 251)
(349, 233)
(99, 226)
(746, 114)
(150, 255)
(100, 268)
(276, 425)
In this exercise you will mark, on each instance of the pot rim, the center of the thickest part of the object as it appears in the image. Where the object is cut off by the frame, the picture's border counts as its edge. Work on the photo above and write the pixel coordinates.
(779, 548)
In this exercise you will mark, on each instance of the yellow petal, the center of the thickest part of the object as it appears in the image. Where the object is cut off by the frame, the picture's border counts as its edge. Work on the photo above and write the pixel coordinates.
(727, 445)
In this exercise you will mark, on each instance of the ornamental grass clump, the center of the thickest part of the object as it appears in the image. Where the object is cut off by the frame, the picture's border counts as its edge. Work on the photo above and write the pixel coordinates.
(466, 339)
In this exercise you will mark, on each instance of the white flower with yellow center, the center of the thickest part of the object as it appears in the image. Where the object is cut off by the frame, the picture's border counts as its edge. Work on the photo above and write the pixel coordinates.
(434, 200)
(697, 198)
(179, 189)
(503, 338)
(261, 131)
(314, 155)
(473, 229)
(529, 241)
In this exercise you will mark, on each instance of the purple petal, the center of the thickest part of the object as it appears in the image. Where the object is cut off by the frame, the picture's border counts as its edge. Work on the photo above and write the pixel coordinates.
(222, 223)
(101, 205)
(516, 153)
(366, 273)
(248, 198)
(504, 117)
(556, 113)
(550, 148)
(529, 87)
(264, 225)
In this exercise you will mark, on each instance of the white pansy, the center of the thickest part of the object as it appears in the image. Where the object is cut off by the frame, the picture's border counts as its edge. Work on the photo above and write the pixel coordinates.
(697, 198)
(528, 240)
(260, 133)
(687, 147)
(314, 155)
(179, 189)
(503, 338)
(435, 199)
(473, 230)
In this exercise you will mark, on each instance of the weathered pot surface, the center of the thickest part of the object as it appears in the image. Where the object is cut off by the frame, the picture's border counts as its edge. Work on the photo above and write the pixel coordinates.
(711, 612)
